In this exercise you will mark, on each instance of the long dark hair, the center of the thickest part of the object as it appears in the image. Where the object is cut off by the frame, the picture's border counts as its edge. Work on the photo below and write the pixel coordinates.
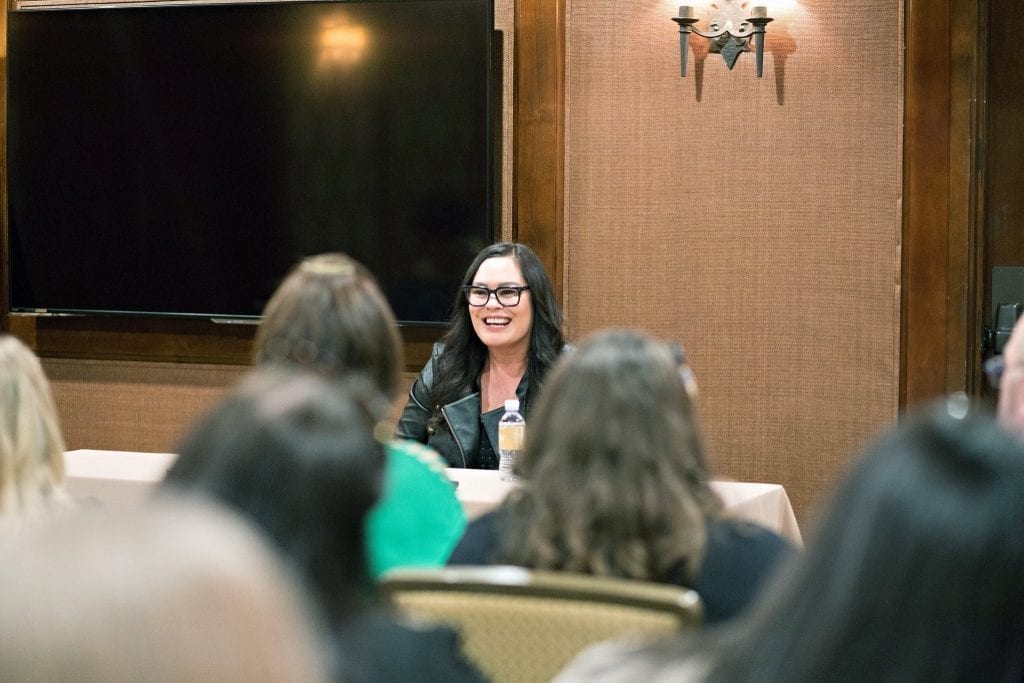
(617, 482)
(462, 361)
(296, 454)
(914, 575)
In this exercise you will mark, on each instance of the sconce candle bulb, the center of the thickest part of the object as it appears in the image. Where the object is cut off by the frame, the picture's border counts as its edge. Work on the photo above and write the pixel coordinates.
(760, 11)
(685, 11)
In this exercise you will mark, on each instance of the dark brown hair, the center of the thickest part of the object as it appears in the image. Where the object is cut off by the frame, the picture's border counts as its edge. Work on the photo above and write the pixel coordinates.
(330, 316)
(616, 477)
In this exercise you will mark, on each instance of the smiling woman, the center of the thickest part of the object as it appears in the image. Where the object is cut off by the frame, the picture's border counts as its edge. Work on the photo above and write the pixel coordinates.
(506, 331)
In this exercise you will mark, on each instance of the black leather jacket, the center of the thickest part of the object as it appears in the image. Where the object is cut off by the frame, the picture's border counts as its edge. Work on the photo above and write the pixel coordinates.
(460, 441)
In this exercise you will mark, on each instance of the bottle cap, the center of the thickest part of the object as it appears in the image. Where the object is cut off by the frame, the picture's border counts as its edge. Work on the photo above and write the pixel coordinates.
(512, 405)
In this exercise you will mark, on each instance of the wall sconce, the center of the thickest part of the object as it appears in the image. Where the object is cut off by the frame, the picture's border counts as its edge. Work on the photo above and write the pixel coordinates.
(730, 32)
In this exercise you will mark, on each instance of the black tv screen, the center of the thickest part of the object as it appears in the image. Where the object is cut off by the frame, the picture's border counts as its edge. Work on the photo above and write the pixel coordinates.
(178, 160)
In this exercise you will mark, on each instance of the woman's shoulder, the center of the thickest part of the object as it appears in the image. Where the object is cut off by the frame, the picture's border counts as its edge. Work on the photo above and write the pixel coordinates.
(377, 647)
(426, 377)
(735, 534)
(418, 519)
(743, 550)
(739, 558)
(482, 539)
(417, 454)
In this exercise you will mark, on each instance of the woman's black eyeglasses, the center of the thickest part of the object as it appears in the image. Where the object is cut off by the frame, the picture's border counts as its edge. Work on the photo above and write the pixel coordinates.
(507, 296)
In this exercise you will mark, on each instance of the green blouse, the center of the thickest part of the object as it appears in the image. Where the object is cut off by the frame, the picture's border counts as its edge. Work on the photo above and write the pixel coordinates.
(418, 520)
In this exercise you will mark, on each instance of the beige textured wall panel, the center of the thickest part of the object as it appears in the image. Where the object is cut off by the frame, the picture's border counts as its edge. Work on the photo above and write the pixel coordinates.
(133, 406)
(756, 221)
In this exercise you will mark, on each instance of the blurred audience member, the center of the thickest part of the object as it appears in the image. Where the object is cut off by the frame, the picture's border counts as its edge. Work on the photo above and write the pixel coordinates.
(616, 483)
(31, 444)
(1010, 381)
(506, 331)
(914, 575)
(297, 454)
(329, 316)
(177, 591)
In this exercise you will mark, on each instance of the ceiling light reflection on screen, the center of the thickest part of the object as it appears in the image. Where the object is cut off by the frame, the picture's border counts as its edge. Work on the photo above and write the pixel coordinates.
(342, 43)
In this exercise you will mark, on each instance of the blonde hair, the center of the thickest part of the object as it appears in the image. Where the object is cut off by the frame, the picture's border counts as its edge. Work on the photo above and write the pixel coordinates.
(31, 443)
(180, 590)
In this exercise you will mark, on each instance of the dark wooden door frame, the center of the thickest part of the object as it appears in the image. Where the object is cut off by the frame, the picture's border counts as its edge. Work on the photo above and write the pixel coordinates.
(943, 128)
(538, 131)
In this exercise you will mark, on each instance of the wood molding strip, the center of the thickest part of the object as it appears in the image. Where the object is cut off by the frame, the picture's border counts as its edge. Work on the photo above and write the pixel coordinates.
(937, 256)
(539, 131)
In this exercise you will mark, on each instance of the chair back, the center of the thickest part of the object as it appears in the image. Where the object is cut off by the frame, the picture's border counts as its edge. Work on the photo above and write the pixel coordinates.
(527, 625)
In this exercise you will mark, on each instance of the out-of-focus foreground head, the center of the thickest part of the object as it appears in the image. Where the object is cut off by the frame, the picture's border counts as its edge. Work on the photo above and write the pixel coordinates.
(1011, 383)
(31, 444)
(176, 591)
(915, 571)
(297, 454)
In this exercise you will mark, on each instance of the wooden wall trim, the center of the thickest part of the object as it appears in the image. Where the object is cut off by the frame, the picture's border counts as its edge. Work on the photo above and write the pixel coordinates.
(539, 131)
(938, 296)
(968, 85)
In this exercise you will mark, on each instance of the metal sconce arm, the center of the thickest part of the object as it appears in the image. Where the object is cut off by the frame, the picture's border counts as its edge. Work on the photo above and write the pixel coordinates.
(736, 39)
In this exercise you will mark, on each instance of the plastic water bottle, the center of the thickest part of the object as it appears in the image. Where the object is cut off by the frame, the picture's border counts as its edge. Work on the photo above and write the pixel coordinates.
(511, 434)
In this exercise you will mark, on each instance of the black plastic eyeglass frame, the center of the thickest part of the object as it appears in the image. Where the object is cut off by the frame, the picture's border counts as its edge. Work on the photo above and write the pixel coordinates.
(468, 289)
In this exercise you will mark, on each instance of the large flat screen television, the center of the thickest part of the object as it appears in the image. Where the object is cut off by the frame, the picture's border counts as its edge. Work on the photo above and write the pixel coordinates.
(177, 160)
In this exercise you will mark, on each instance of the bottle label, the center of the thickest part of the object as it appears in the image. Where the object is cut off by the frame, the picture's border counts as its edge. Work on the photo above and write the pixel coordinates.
(510, 437)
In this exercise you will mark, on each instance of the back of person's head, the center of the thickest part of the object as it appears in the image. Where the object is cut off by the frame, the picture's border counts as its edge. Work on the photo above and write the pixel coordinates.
(31, 444)
(330, 316)
(617, 480)
(176, 591)
(915, 573)
(296, 453)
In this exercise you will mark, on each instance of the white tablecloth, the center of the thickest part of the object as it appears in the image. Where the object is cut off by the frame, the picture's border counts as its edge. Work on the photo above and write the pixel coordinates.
(765, 504)
(123, 479)
(117, 479)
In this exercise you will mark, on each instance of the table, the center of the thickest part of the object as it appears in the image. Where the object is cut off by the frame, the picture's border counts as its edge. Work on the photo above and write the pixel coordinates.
(766, 504)
(118, 479)
(123, 480)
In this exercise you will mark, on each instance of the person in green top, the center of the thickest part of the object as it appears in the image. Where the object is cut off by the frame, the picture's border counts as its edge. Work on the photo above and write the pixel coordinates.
(329, 316)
